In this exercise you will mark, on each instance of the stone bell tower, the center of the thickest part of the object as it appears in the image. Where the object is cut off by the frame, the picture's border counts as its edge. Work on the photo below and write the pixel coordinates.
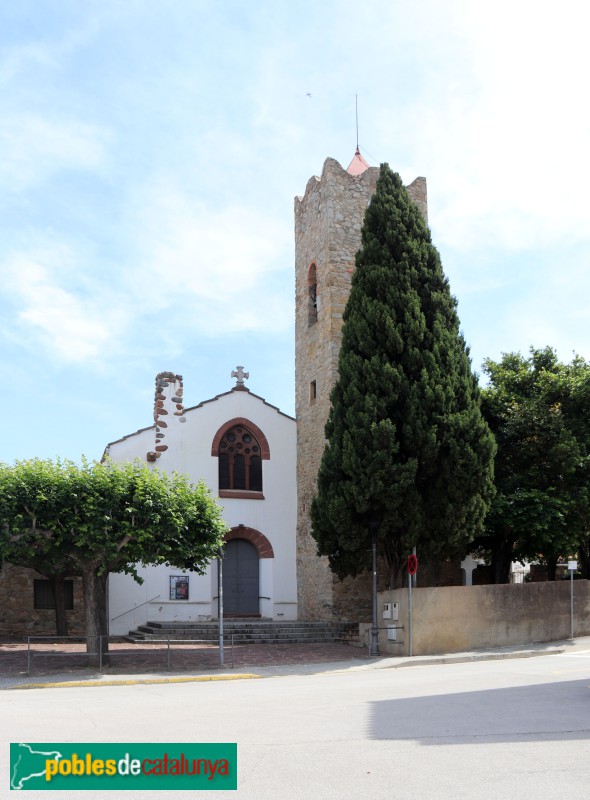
(328, 222)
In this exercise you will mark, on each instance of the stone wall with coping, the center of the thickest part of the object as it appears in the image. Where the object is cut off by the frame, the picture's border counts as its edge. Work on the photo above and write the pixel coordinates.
(451, 619)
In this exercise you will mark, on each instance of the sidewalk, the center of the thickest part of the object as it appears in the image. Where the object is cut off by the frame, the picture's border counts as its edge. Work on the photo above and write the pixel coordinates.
(133, 664)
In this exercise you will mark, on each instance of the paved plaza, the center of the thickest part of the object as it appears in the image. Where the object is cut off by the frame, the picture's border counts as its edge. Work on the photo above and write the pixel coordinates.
(48, 658)
(63, 663)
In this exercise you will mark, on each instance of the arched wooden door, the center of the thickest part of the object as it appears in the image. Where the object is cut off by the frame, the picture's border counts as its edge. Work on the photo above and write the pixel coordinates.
(241, 577)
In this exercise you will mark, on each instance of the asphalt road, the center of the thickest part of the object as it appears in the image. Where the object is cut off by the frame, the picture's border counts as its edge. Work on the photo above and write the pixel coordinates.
(516, 728)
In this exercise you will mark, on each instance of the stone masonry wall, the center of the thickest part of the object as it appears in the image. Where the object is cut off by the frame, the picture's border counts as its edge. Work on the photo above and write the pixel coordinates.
(18, 617)
(328, 222)
(168, 404)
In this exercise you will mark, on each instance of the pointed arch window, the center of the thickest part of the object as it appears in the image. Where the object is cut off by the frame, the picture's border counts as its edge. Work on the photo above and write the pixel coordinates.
(240, 454)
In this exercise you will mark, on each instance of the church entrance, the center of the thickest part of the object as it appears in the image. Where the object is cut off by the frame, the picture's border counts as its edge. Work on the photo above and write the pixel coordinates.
(240, 579)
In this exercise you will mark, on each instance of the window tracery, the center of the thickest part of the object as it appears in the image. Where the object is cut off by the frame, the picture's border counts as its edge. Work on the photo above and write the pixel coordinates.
(240, 462)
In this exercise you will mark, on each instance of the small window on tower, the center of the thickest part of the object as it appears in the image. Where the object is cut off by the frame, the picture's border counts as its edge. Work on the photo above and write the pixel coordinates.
(312, 287)
(313, 391)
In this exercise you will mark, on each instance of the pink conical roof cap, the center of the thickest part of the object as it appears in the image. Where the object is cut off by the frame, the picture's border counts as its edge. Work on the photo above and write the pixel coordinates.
(358, 164)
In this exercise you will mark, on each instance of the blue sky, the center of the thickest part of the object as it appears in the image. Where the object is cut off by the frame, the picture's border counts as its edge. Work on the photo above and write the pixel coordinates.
(149, 157)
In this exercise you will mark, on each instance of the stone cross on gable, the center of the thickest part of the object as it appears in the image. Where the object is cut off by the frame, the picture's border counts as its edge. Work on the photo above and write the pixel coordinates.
(240, 375)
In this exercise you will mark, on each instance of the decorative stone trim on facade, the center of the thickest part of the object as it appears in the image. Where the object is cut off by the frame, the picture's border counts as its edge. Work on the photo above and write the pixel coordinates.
(259, 540)
(167, 400)
(262, 440)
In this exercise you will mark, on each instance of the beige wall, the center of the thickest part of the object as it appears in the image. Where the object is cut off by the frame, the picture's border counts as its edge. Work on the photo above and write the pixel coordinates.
(451, 619)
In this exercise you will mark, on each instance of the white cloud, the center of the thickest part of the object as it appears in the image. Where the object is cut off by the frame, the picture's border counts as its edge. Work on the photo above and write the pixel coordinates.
(73, 325)
(15, 59)
(219, 262)
(484, 100)
(500, 126)
(270, 314)
(210, 272)
(35, 147)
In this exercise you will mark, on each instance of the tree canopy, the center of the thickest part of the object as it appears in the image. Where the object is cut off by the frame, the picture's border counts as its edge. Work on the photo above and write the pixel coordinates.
(96, 518)
(539, 411)
(407, 446)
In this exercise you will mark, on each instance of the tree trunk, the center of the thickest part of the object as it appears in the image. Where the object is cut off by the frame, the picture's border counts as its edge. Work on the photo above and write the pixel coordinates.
(394, 564)
(95, 615)
(551, 568)
(502, 560)
(584, 557)
(61, 622)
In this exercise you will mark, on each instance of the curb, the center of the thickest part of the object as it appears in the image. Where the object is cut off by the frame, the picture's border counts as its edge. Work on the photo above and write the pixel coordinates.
(135, 682)
(463, 659)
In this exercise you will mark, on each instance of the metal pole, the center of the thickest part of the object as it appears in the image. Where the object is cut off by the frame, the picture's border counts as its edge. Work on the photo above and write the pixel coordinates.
(28, 655)
(168, 654)
(374, 648)
(220, 602)
(571, 604)
(410, 611)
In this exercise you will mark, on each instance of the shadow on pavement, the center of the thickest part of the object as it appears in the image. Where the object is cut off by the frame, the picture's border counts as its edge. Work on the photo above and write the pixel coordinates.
(546, 711)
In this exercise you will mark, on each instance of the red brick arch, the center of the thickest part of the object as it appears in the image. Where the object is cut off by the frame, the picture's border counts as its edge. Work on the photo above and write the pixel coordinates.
(259, 540)
(262, 440)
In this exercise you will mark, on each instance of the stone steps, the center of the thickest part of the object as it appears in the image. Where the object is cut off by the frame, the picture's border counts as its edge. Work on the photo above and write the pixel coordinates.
(247, 632)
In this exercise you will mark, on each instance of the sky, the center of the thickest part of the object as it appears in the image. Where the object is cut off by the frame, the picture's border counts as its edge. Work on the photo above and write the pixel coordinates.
(150, 153)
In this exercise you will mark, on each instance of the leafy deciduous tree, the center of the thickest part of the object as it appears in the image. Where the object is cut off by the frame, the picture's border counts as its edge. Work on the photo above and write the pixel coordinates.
(105, 517)
(539, 411)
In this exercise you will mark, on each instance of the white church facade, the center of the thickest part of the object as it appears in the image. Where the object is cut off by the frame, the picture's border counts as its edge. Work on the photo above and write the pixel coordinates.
(243, 448)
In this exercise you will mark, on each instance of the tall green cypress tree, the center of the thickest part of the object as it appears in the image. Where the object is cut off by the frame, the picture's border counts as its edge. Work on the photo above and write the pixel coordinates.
(407, 445)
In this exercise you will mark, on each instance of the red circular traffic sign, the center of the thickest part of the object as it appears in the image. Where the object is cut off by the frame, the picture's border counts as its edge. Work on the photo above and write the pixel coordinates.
(412, 565)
